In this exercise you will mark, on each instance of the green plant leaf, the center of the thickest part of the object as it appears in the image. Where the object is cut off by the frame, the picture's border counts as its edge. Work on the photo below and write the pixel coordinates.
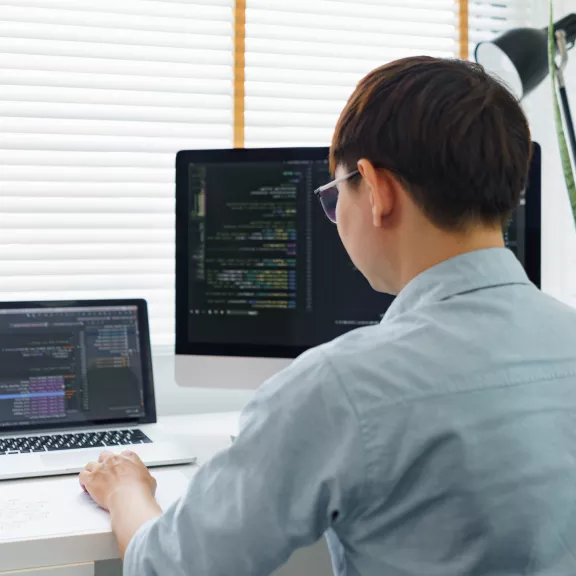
(564, 152)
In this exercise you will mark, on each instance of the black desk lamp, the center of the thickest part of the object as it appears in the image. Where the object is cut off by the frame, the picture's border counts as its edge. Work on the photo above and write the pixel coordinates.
(520, 58)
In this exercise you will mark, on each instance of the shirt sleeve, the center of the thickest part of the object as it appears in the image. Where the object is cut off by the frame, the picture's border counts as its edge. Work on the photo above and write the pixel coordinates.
(296, 469)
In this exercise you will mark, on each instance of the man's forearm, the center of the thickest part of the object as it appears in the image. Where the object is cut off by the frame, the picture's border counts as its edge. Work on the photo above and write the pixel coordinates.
(130, 510)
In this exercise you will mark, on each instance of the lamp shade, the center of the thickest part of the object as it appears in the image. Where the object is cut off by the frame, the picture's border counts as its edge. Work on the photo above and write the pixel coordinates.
(519, 57)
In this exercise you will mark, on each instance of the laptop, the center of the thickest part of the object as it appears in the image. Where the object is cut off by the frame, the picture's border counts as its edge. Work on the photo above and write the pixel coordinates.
(75, 380)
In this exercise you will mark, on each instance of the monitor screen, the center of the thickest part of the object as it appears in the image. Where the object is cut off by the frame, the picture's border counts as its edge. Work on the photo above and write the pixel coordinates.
(70, 365)
(260, 270)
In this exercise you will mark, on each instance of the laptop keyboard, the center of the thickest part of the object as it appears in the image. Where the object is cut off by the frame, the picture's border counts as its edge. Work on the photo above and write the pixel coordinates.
(21, 445)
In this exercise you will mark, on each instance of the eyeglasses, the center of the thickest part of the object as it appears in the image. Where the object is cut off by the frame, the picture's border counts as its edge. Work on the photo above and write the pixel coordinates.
(328, 195)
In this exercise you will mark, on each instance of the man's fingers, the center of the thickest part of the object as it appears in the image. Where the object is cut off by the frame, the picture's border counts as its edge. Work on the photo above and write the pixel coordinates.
(84, 477)
(86, 474)
(132, 456)
(105, 455)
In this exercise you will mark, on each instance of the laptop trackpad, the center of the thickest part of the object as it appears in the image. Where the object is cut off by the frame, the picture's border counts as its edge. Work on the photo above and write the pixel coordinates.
(22, 464)
(71, 458)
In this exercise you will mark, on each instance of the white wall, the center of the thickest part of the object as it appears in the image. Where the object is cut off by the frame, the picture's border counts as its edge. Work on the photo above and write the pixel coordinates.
(558, 234)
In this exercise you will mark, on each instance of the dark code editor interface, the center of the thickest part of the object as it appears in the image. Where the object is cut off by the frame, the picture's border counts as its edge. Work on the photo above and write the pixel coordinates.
(266, 266)
(69, 365)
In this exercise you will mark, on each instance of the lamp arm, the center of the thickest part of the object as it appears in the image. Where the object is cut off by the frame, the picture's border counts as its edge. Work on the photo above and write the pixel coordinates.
(553, 40)
(568, 119)
(562, 48)
(568, 24)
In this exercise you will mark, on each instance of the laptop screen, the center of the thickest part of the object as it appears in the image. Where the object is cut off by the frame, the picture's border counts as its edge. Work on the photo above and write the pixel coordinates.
(70, 365)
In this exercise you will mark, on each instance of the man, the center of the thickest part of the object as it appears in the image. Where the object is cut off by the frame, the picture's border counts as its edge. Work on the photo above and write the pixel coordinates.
(440, 442)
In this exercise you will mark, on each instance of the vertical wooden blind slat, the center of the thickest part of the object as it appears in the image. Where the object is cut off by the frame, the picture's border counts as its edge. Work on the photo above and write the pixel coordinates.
(239, 71)
(463, 29)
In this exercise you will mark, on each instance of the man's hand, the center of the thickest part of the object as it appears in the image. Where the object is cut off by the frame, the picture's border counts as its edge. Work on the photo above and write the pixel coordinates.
(121, 484)
(116, 474)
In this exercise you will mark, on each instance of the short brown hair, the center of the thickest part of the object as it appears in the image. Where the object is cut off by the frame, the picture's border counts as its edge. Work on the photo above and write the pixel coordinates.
(454, 135)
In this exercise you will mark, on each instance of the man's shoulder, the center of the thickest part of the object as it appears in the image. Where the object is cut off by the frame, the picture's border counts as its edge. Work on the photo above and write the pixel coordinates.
(369, 360)
(439, 349)
(324, 370)
(454, 346)
(562, 309)
(375, 342)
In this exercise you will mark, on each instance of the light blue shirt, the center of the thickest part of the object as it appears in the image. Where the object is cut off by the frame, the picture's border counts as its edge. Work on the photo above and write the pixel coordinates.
(441, 442)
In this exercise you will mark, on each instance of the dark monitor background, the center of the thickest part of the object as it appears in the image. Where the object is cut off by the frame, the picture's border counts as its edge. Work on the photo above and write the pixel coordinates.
(260, 271)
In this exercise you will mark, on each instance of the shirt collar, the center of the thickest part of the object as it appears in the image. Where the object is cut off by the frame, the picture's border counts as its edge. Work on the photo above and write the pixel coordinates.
(464, 273)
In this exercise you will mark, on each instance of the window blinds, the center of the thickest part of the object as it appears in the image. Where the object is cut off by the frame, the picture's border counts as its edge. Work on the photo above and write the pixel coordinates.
(96, 97)
(304, 57)
(488, 18)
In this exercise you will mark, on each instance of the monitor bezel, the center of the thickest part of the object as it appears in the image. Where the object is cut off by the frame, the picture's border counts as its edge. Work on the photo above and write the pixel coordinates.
(186, 157)
(146, 359)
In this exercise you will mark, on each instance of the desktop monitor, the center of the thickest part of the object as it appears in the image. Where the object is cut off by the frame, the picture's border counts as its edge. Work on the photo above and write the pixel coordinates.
(260, 270)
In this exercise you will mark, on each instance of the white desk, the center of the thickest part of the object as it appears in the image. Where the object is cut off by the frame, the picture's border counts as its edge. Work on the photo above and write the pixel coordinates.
(78, 554)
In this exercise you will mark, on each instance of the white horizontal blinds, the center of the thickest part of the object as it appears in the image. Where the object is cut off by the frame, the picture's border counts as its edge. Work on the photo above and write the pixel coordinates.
(488, 18)
(96, 97)
(304, 58)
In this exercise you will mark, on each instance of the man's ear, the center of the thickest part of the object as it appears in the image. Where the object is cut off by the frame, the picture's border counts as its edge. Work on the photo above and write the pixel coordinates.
(382, 190)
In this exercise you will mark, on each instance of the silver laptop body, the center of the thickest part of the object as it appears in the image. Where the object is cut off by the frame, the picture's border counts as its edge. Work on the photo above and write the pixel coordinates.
(75, 380)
